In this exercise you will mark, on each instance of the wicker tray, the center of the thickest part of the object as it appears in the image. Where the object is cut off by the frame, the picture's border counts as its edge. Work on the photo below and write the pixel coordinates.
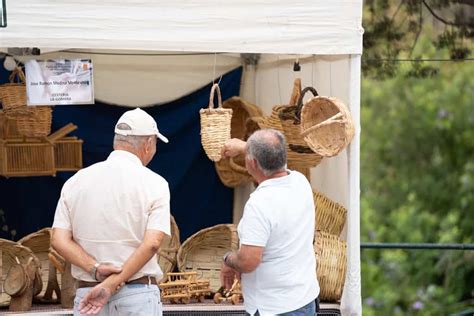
(331, 266)
(203, 252)
(168, 250)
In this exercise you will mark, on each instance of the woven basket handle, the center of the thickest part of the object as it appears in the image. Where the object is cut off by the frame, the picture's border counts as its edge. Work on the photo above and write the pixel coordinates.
(215, 87)
(17, 73)
(236, 167)
(300, 102)
(335, 119)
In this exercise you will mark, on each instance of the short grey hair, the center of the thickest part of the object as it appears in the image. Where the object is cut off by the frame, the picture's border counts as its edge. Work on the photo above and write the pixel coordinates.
(131, 140)
(268, 148)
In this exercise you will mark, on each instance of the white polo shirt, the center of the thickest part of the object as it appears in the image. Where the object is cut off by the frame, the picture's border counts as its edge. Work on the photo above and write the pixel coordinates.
(279, 216)
(109, 205)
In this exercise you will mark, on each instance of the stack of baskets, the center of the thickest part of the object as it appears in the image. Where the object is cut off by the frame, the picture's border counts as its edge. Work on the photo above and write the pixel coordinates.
(203, 252)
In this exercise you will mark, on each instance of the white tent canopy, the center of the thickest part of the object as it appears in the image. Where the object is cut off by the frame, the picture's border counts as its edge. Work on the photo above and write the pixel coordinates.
(325, 35)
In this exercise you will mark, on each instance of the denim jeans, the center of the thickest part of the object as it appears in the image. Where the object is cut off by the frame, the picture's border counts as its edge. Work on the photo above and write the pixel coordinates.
(132, 299)
(307, 310)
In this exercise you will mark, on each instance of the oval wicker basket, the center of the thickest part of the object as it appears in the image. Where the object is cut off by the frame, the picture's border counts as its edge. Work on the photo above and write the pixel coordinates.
(331, 265)
(10, 252)
(31, 121)
(233, 173)
(326, 125)
(40, 243)
(215, 126)
(203, 252)
(166, 255)
(290, 121)
(330, 216)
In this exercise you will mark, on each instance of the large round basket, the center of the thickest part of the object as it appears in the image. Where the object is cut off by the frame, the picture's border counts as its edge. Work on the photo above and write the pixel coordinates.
(166, 255)
(233, 173)
(40, 243)
(331, 266)
(215, 126)
(12, 253)
(330, 216)
(326, 125)
(203, 252)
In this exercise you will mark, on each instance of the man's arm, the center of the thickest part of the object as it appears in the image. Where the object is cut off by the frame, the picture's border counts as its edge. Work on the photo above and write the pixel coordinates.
(233, 147)
(63, 242)
(245, 260)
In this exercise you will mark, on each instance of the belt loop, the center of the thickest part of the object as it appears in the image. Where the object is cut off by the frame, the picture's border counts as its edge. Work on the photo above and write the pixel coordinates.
(149, 280)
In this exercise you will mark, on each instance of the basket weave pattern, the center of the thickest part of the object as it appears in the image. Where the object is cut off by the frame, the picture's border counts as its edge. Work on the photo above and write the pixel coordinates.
(330, 216)
(331, 266)
(203, 252)
(326, 125)
(215, 126)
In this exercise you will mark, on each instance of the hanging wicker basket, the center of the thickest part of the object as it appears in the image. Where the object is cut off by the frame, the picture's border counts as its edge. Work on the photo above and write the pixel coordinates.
(232, 172)
(330, 216)
(11, 255)
(326, 125)
(31, 121)
(166, 255)
(215, 126)
(290, 121)
(203, 252)
(331, 266)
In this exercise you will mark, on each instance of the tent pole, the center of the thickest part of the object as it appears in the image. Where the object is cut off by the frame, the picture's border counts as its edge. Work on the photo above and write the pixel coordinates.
(351, 302)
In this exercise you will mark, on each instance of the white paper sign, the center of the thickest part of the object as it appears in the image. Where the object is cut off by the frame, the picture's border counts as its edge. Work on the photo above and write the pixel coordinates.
(54, 82)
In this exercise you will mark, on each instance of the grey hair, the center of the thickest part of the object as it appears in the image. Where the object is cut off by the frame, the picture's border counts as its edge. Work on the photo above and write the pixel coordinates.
(131, 140)
(268, 148)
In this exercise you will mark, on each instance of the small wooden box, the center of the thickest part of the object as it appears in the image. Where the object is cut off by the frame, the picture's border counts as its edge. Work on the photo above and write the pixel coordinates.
(68, 154)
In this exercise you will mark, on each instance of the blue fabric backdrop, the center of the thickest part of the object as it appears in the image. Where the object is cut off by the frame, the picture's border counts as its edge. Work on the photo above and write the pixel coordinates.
(198, 198)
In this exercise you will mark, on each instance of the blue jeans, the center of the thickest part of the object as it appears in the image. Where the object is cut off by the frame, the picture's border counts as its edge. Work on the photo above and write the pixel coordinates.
(132, 299)
(307, 310)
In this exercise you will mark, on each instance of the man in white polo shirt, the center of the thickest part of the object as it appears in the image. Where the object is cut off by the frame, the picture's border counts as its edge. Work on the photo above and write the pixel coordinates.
(276, 259)
(109, 223)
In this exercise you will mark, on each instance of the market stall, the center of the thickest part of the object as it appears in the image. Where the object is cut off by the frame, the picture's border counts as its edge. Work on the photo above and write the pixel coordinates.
(179, 47)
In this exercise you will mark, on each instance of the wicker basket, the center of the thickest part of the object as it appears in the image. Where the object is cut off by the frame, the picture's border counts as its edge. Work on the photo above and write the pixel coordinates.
(166, 255)
(290, 121)
(203, 252)
(40, 243)
(331, 266)
(233, 173)
(68, 154)
(24, 159)
(10, 254)
(326, 125)
(34, 121)
(215, 126)
(8, 127)
(330, 216)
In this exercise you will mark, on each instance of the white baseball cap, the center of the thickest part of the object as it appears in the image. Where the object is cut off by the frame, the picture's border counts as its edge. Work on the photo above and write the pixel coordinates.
(141, 124)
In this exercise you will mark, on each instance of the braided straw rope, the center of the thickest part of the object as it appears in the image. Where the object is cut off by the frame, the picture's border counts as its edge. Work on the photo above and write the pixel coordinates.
(215, 126)
(331, 265)
(203, 252)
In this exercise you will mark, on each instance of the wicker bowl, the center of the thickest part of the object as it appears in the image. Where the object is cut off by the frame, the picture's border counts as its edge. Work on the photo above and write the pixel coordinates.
(330, 216)
(166, 255)
(203, 252)
(331, 265)
(326, 125)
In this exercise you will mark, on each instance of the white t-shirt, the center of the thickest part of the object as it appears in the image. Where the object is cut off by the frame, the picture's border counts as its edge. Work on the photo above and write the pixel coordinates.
(279, 216)
(109, 206)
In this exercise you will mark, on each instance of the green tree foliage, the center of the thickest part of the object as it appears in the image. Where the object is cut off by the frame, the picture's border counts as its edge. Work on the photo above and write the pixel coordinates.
(393, 29)
(417, 167)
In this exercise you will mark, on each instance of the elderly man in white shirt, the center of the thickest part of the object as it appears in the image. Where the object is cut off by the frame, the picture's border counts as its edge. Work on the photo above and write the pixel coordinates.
(276, 259)
(109, 223)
